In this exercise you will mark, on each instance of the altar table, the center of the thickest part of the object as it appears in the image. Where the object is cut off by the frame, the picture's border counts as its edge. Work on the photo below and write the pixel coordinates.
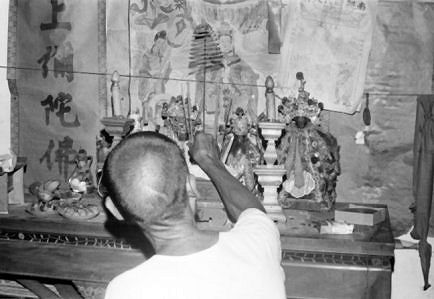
(89, 254)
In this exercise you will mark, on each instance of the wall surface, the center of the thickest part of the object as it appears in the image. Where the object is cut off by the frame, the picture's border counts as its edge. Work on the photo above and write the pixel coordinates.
(4, 90)
(379, 171)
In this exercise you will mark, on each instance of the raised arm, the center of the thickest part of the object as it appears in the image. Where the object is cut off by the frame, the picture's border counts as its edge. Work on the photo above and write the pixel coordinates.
(236, 198)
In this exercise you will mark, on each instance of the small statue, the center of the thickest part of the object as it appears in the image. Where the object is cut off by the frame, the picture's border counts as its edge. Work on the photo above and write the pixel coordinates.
(241, 149)
(180, 121)
(195, 120)
(270, 99)
(81, 180)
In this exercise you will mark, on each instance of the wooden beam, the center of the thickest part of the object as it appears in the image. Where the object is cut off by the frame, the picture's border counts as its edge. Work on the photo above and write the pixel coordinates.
(67, 291)
(38, 288)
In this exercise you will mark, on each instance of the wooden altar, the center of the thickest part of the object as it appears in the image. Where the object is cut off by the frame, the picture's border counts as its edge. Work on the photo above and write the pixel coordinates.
(86, 255)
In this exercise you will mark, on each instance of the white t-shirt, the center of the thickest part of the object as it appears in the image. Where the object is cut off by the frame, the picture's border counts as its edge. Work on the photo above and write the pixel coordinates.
(244, 263)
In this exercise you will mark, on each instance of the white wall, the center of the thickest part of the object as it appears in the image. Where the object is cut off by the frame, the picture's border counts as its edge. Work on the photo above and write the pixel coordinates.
(5, 129)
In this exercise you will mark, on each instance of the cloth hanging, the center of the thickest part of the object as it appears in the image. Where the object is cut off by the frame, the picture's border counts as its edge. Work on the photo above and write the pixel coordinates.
(423, 175)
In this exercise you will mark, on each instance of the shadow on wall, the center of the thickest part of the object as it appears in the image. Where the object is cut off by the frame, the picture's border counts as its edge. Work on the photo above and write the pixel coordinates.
(380, 171)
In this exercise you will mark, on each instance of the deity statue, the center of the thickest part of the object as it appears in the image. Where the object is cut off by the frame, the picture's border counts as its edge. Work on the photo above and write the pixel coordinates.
(180, 121)
(241, 148)
(310, 154)
(81, 180)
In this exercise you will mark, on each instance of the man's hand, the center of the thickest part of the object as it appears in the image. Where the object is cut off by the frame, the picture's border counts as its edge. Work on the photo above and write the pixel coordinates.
(235, 196)
(204, 148)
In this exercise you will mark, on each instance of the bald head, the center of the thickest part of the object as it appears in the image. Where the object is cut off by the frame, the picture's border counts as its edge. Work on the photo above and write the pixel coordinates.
(145, 175)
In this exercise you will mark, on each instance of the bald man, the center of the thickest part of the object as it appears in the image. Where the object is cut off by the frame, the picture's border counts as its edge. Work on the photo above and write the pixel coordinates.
(146, 177)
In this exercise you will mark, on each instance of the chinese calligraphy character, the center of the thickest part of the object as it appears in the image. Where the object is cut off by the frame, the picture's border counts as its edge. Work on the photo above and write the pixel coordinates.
(55, 24)
(63, 61)
(46, 58)
(47, 155)
(59, 104)
(65, 155)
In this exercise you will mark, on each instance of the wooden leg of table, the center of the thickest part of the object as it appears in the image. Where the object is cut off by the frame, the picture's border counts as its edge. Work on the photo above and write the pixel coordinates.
(38, 288)
(4, 193)
(67, 291)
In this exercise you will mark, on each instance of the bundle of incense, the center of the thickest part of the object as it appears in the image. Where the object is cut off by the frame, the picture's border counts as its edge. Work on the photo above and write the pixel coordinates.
(189, 129)
(180, 99)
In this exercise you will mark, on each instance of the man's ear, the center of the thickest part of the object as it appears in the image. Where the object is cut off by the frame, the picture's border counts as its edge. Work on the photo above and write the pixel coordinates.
(112, 208)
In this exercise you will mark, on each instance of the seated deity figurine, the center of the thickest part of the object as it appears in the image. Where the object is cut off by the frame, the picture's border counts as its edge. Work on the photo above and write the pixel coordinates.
(180, 121)
(81, 180)
(241, 149)
(195, 121)
(310, 154)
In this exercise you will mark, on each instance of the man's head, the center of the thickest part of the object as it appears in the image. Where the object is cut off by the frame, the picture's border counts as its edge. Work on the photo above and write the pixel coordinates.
(145, 176)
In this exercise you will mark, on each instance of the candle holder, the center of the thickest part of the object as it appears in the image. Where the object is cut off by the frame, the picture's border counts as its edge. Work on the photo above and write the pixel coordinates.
(270, 175)
(118, 127)
(270, 178)
(271, 131)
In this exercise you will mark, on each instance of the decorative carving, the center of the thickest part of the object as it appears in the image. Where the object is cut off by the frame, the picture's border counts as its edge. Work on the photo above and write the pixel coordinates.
(64, 239)
(347, 259)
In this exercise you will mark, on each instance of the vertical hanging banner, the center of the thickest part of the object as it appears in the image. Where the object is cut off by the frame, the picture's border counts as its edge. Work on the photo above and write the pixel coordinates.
(58, 100)
(329, 41)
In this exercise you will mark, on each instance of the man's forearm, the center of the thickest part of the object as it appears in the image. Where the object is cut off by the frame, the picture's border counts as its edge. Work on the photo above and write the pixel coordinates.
(234, 195)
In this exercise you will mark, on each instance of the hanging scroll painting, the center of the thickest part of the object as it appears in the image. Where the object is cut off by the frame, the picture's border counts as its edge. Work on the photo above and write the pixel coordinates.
(58, 104)
(163, 55)
(160, 33)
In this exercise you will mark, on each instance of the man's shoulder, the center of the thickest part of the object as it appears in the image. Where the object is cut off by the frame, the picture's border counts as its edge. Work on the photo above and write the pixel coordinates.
(132, 276)
(255, 217)
(255, 225)
(128, 276)
(130, 284)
